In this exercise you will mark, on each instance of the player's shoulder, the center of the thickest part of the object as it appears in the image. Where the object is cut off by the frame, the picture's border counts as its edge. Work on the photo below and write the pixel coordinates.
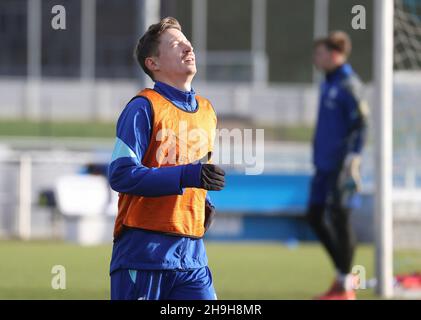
(204, 102)
(353, 85)
(202, 99)
(136, 105)
(136, 109)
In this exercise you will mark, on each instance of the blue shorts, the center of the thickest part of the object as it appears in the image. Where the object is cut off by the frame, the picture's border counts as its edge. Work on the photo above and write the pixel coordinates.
(193, 284)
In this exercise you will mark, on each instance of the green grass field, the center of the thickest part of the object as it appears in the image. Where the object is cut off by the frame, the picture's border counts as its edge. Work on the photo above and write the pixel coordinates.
(240, 270)
(97, 129)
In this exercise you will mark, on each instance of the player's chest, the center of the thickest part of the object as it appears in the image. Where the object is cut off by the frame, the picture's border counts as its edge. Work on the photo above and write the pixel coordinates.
(329, 97)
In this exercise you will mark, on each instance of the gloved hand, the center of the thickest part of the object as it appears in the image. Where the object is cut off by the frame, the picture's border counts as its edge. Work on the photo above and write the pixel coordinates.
(350, 176)
(212, 177)
(201, 174)
(209, 215)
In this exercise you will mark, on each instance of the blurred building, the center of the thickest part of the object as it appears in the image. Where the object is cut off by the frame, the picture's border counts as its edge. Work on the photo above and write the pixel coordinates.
(286, 26)
(251, 54)
(248, 52)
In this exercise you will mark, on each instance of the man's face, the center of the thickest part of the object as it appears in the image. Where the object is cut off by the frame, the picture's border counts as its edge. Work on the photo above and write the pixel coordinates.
(176, 57)
(322, 58)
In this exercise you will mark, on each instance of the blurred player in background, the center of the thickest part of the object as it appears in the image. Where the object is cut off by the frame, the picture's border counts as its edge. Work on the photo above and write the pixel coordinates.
(163, 209)
(337, 145)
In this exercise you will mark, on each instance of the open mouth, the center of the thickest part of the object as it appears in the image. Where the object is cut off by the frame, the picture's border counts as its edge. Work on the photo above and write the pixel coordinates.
(189, 59)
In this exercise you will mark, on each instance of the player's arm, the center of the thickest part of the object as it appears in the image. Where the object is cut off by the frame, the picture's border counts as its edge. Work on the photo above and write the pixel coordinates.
(356, 114)
(126, 172)
(209, 213)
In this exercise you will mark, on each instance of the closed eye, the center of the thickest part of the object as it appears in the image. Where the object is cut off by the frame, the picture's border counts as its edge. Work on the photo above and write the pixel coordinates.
(177, 42)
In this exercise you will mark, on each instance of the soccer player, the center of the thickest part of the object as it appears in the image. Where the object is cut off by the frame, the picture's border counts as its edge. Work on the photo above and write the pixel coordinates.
(337, 145)
(160, 167)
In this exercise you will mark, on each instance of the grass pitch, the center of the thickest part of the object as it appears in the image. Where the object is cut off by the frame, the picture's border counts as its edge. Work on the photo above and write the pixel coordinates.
(240, 270)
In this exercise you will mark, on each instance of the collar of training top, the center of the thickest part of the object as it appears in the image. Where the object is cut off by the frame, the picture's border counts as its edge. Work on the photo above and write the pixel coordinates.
(339, 72)
(187, 99)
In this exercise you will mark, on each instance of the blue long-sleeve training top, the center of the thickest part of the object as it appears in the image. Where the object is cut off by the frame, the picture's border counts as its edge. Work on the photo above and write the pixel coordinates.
(341, 124)
(140, 249)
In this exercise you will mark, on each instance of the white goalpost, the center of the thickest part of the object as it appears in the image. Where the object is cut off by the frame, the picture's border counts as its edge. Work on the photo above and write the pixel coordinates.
(383, 79)
(397, 84)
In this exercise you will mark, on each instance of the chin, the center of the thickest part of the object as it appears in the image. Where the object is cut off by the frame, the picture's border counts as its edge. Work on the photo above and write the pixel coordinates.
(192, 71)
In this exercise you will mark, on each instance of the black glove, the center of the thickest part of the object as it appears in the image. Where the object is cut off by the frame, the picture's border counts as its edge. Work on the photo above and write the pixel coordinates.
(350, 178)
(212, 177)
(201, 174)
(209, 215)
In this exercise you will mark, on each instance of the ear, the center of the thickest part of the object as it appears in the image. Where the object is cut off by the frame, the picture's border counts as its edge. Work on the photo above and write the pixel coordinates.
(152, 64)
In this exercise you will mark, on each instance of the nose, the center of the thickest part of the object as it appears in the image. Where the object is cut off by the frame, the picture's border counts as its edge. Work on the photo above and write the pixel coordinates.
(188, 47)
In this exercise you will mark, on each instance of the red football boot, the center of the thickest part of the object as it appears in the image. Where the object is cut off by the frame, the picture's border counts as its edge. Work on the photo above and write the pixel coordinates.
(337, 292)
